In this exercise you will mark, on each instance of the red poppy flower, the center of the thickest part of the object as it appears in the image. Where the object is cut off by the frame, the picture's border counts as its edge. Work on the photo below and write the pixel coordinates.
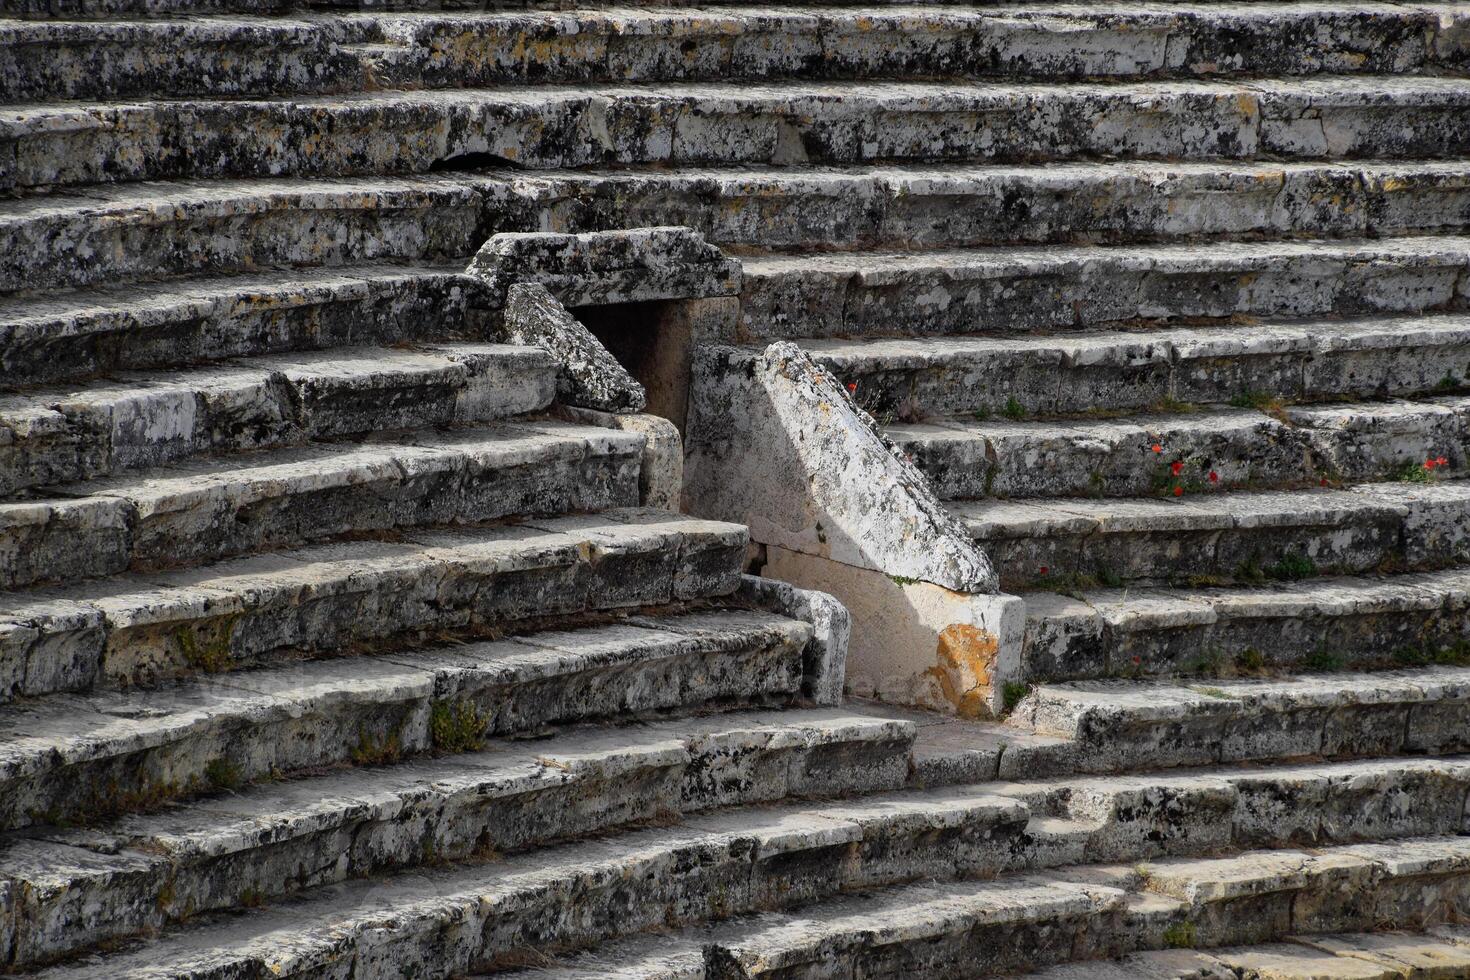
(1323, 482)
(852, 386)
(1442, 461)
(1178, 491)
(1044, 569)
(1137, 660)
(1214, 477)
(1157, 448)
(1177, 467)
(1429, 464)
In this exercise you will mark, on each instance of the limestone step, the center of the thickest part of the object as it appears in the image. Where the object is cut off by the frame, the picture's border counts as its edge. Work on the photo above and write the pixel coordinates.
(143, 873)
(1203, 537)
(1066, 287)
(1340, 956)
(345, 597)
(233, 56)
(1023, 922)
(76, 335)
(1389, 117)
(82, 758)
(1314, 624)
(1117, 725)
(118, 233)
(764, 859)
(217, 508)
(1245, 448)
(1100, 371)
(133, 421)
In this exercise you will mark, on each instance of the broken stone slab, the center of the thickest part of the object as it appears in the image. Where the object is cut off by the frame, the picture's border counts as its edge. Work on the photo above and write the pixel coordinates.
(775, 442)
(600, 268)
(589, 375)
(826, 652)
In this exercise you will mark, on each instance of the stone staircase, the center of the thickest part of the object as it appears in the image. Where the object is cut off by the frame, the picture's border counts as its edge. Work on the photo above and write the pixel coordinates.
(335, 644)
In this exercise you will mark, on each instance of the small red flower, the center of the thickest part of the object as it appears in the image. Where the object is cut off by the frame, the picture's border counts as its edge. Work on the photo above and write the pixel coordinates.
(1323, 482)
(1429, 464)
(1214, 477)
(852, 386)
(1044, 569)
(1177, 467)
(1442, 461)
(1178, 491)
(1137, 660)
(1157, 448)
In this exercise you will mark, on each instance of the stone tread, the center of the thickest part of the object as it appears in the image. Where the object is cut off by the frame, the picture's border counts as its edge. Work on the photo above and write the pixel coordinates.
(149, 869)
(1099, 371)
(209, 509)
(1006, 924)
(159, 744)
(1240, 535)
(131, 421)
(946, 291)
(1330, 621)
(105, 233)
(1398, 117)
(140, 628)
(314, 52)
(967, 458)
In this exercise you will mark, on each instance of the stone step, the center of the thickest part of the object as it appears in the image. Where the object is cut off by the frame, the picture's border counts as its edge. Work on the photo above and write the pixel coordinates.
(74, 336)
(113, 234)
(134, 421)
(763, 859)
(83, 758)
(1061, 288)
(1082, 916)
(1340, 956)
(1314, 624)
(1245, 537)
(1097, 372)
(345, 597)
(225, 56)
(1245, 448)
(217, 508)
(1388, 117)
(1117, 724)
(141, 873)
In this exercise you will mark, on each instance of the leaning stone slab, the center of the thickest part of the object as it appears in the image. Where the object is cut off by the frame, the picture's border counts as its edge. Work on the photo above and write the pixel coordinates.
(599, 268)
(589, 376)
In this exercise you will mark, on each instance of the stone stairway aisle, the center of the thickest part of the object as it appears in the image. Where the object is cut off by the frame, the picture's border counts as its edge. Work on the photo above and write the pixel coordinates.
(332, 648)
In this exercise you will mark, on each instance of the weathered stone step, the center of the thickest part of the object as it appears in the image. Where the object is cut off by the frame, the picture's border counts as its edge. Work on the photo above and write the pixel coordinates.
(140, 628)
(1092, 372)
(1245, 448)
(141, 873)
(85, 757)
(1012, 289)
(1114, 725)
(216, 508)
(136, 421)
(1388, 117)
(235, 57)
(1314, 624)
(1024, 922)
(747, 861)
(112, 234)
(77, 335)
(1203, 537)
(1340, 956)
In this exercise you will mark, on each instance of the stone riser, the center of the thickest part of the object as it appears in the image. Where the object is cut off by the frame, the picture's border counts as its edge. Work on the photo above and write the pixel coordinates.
(1067, 288)
(1089, 373)
(207, 512)
(743, 866)
(100, 755)
(1249, 538)
(232, 58)
(140, 629)
(80, 889)
(58, 436)
(1319, 624)
(1245, 449)
(797, 123)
